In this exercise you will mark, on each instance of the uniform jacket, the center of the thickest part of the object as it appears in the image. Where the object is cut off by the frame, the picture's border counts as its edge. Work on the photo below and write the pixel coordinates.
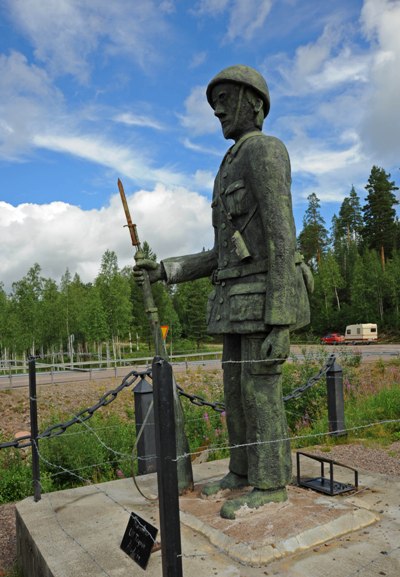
(257, 286)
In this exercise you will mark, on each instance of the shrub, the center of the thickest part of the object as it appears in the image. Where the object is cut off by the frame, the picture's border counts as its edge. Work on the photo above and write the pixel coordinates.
(16, 476)
(92, 451)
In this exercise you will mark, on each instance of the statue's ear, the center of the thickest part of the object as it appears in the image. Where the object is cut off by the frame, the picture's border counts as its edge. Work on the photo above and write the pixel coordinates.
(258, 105)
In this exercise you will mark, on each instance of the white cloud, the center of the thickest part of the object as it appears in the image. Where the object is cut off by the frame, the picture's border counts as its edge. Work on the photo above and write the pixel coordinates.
(123, 160)
(138, 120)
(198, 59)
(33, 115)
(199, 117)
(381, 124)
(317, 160)
(66, 33)
(204, 179)
(211, 7)
(28, 101)
(203, 149)
(247, 18)
(344, 113)
(323, 65)
(174, 221)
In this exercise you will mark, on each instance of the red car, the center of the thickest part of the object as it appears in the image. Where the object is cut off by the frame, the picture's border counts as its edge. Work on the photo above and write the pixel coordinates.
(332, 339)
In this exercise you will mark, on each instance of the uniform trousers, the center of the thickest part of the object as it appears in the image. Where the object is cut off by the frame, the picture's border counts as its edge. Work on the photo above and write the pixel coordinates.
(255, 413)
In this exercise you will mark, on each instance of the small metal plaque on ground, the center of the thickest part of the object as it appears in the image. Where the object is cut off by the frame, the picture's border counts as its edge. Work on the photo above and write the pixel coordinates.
(139, 539)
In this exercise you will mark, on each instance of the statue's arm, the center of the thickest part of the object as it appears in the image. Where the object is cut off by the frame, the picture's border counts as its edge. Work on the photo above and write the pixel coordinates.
(190, 267)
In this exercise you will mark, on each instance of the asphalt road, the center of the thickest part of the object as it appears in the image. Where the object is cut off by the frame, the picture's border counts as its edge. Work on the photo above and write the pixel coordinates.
(369, 353)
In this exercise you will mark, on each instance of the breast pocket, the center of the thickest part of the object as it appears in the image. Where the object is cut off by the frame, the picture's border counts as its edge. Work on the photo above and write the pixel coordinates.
(236, 198)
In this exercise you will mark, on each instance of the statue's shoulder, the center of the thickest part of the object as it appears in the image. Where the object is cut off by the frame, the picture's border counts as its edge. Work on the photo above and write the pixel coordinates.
(266, 144)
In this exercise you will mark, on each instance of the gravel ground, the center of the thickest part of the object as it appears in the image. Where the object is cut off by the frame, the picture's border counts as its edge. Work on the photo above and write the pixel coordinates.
(378, 460)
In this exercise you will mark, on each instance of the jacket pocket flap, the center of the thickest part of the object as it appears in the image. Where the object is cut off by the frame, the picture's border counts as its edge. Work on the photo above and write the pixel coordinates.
(235, 186)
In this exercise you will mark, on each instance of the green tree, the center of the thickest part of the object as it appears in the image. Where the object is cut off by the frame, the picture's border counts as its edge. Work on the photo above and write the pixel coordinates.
(368, 289)
(4, 337)
(313, 239)
(350, 221)
(331, 280)
(380, 228)
(26, 295)
(51, 313)
(93, 321)
(115, 296)
(191, 304)
(392, 283)
(73, 296)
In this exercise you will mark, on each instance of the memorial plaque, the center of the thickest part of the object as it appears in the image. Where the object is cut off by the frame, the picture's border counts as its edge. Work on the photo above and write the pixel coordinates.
(139, 539)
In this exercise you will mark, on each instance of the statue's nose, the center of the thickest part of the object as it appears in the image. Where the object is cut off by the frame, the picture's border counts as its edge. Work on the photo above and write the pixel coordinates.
(219, 111)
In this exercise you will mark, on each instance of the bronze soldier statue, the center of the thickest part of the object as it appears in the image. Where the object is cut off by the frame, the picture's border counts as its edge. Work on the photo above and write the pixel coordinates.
(259, 287)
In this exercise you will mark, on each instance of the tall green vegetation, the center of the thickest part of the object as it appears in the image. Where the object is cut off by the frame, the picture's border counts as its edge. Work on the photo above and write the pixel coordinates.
(357, 273)
(380, 225)
(313, 239)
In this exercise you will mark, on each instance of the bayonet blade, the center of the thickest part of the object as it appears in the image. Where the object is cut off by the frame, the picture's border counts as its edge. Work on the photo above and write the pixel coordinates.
(130, 225)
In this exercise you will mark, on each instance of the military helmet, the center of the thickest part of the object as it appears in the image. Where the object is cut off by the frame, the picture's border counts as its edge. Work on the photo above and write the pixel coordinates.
(240, 74)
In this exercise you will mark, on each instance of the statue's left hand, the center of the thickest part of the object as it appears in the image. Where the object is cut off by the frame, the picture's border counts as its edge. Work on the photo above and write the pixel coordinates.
(276, 346)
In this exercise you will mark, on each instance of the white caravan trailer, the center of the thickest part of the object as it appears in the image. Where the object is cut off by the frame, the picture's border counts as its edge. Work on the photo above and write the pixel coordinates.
(362, 333)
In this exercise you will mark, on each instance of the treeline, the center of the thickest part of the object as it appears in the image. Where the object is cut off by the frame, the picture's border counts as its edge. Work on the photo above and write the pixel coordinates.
(41, 317)
(356, 265)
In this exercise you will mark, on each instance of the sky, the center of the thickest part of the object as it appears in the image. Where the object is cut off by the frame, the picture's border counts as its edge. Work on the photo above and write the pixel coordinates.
(95, 91)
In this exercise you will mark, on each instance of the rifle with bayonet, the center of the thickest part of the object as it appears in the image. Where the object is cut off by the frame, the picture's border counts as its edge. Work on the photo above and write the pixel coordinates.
(185, 475)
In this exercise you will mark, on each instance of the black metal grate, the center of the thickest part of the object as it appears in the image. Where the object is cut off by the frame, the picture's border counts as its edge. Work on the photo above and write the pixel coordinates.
(322, 484)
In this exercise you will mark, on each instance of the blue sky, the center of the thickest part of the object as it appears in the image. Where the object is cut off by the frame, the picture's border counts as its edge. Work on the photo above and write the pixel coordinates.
(93, 91)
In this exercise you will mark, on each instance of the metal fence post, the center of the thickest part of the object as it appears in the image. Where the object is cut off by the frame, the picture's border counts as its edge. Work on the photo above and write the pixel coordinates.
(334, 385)
(34, 429)
(167, 474)
(145, 433)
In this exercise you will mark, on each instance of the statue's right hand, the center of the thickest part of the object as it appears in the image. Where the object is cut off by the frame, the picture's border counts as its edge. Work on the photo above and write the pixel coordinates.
(153, 268)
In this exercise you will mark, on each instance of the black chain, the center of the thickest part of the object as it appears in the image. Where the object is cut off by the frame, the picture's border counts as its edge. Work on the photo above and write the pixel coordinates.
(220, 407)
(200, 402)
(129, 379)
(312, 381)
(82, 416)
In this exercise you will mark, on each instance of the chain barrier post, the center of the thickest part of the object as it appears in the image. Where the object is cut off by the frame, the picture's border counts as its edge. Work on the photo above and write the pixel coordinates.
(167, 475)
(146, 446)
(334, 385)
(34, 429)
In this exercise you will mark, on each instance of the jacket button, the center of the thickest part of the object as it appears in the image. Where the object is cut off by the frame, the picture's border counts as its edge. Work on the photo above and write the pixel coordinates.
(221, 300)
(224, 175)
(223, 225)
(223, 283)
(218, 317)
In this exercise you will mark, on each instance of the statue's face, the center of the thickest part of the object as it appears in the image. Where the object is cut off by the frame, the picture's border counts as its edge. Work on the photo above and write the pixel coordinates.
(237, 118)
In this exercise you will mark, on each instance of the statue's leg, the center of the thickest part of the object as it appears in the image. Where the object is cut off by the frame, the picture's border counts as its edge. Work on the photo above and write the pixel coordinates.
(268, 450)
(235, 418)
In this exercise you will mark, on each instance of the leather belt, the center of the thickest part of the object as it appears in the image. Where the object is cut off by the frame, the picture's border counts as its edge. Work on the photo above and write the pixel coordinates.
(239, 271)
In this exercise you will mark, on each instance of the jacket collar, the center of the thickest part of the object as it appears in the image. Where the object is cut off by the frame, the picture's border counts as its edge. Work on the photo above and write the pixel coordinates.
(233, 150)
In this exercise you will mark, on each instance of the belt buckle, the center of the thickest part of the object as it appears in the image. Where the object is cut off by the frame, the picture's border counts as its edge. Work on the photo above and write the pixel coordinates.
(214, 277)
